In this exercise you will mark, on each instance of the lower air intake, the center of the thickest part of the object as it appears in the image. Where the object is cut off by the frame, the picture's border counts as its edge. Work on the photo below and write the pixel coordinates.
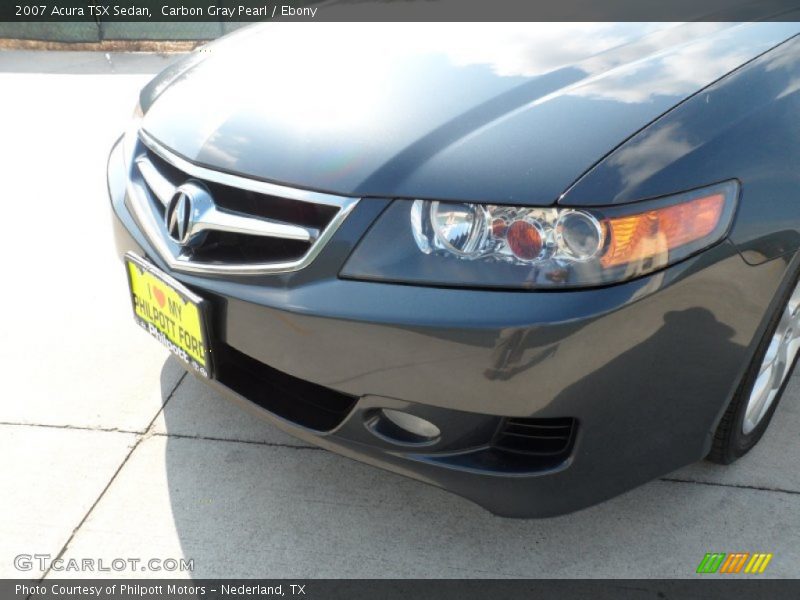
(537, 437)
(302, 402)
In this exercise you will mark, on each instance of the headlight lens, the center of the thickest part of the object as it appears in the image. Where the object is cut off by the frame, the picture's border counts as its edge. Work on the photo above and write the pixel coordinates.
(460, 229)
(477, 245)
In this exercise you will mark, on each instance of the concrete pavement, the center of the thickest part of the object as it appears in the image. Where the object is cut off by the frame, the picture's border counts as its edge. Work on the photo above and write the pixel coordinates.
(110, 451)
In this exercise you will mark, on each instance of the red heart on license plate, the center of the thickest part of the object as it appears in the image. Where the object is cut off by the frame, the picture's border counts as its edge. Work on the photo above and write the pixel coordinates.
(160, 296)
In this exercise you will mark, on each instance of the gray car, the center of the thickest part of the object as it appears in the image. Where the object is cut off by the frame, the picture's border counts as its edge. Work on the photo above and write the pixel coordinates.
(535, 265)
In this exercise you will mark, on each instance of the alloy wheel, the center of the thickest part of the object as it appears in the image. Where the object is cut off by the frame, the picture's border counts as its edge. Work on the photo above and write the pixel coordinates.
(776, 365)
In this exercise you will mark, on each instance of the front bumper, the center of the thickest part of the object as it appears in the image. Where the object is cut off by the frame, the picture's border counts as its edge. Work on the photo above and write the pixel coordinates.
(645, 369)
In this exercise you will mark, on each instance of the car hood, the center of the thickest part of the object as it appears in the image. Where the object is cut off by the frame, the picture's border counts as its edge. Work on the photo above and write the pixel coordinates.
(479, 112)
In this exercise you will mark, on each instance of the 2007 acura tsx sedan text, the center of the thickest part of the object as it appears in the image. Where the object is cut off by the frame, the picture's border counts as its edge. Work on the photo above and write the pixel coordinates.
(534, 265)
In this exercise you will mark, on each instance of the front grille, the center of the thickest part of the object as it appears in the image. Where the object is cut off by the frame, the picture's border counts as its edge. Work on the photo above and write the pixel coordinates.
(220, 247)
(261, 227)
(537, 437)
(302, 402)
(245, 201)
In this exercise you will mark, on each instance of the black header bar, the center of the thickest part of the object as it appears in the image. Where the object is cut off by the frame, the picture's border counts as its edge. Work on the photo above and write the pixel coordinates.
(706, 587)
(96, 11)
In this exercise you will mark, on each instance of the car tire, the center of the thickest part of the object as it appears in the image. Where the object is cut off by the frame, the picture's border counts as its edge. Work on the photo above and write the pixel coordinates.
(744, 422)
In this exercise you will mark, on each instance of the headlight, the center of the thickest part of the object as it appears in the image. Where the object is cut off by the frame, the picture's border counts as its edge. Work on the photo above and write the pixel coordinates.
(484, 245)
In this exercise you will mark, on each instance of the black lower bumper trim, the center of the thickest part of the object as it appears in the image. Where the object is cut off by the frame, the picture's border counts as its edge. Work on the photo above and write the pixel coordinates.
(302, 402)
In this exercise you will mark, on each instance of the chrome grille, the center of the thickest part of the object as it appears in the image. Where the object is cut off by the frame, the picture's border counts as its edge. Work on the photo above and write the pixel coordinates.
(245, 226)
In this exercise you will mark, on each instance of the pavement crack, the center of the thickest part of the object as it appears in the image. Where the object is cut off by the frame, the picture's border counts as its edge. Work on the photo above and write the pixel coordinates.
(233, 441)
(73, 427)
(134, 446)
(731, 485)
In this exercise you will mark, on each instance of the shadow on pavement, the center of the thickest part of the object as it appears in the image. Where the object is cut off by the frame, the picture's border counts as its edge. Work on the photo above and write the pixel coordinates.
(247, 500)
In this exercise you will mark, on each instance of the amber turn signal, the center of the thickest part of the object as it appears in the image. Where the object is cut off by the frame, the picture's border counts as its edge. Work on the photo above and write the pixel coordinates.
(653, 234)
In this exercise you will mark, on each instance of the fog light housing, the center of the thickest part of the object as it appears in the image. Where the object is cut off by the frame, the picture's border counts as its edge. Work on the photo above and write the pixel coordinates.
(402, 428)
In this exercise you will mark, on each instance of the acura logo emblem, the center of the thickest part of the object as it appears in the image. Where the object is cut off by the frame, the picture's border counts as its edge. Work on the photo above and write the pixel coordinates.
(183, 216)
(191, 215)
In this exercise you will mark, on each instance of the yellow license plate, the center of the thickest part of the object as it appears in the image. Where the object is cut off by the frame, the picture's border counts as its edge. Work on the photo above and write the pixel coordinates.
(170, 312)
